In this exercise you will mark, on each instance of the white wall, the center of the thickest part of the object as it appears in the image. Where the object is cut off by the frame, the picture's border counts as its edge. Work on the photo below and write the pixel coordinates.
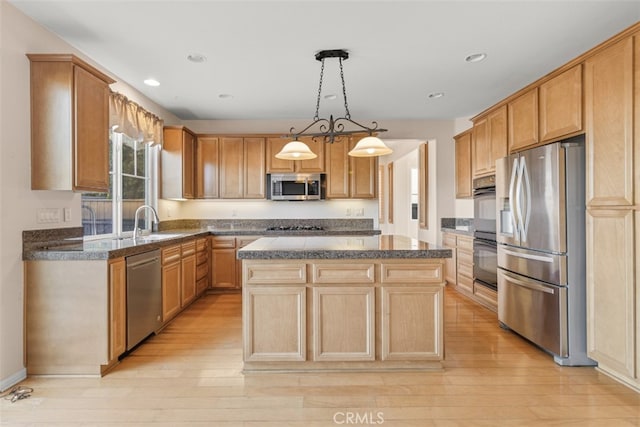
(18, 203)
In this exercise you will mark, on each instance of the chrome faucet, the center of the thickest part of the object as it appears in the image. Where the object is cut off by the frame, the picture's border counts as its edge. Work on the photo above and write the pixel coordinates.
(135, 222)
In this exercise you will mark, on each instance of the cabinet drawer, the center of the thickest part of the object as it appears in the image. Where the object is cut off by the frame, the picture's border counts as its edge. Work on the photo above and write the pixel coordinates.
(201, 258)
(465, 269)
(343, 273)
(275, 273)
(465, 282)
(201, 285)
(223, 242)
(489, 296)
(449, 240)
(201, 245)
(188, 248)
(411, 273)
(171, 254)
(465, 243)
(465, 256)
(202, 271)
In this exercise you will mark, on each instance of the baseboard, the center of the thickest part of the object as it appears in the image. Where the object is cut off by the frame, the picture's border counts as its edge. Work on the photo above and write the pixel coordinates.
(14, 379)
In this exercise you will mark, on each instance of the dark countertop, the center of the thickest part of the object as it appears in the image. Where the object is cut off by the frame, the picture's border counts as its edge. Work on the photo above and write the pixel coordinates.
(460, 229)
(109, 248)
(341, 247)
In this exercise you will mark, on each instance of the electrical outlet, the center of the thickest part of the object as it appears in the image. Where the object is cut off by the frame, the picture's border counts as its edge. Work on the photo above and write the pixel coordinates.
(67, 214)
(168, 212)
(348, 211)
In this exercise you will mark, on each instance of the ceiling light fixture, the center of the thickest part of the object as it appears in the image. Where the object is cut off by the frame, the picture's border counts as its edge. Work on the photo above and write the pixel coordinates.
(197, 58)
(332, 129)
(225, 96)
(152, 82)
(436, 95)
(476, 57)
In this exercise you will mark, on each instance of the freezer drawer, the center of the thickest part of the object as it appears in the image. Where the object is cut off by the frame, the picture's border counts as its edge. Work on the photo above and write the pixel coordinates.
(535, 310)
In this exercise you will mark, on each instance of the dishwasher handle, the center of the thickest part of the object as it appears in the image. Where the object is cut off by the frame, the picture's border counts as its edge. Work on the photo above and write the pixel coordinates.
(143, 262)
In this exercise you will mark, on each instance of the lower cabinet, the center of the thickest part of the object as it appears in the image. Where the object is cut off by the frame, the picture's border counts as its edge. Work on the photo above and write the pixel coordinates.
(450, 264)
(341, 314)
(180, 273)
(188, 273)
(171, 278)
(117, 308)
(226, 269)
(202, 265)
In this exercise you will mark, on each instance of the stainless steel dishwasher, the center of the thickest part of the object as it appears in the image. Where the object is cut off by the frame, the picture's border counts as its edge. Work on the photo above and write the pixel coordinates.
(144, 296)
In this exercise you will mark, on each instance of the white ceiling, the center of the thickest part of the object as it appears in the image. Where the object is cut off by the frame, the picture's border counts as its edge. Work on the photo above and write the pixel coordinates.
(262, 52)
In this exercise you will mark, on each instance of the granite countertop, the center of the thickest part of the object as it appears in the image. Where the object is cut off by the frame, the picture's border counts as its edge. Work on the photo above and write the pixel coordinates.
(459, 229)
(341, 247)
(464, 226)
(77, 248)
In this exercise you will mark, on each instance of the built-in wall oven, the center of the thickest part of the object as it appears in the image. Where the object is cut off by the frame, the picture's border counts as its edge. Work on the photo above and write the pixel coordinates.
(485, 253)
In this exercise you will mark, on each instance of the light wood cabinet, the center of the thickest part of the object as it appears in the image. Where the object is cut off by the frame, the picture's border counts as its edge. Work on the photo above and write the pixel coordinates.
(349, 177)
(481, 147)
(463, 165)
(497, 121)
(207, 167)
(117, 308)
(609, 126)
(274, 165)
(450, 264)
(69, 124)
(274, 323)
(409, 326)
(223, 262)
(188, 273)
(561, 105)
(464, 267)
(242, 168)
(523, 121)
(171, 278)
(202, 265)
(241, 242)
(423, 186)
(177, 163)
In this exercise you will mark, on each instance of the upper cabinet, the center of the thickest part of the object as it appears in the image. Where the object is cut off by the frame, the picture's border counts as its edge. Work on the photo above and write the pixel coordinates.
(463, 165)
(242, 168)
(489, 141)
(178, 157)
(349, 177)
(69, 124)
(275, 165)
(561, 105)
(523, 120)
(207, 167)
(423, 185)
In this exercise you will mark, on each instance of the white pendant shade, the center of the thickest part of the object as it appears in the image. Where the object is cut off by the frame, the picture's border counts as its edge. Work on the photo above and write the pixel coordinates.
(370, 146)
(296, 150)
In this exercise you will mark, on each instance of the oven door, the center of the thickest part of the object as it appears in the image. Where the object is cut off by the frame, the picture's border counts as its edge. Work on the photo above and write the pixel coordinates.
(485, 263)
(484, 208)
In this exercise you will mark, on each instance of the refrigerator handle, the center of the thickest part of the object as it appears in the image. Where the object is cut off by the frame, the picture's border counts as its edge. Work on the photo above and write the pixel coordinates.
(519, 207)
(530, 285)
(526, 183)
(512, 197)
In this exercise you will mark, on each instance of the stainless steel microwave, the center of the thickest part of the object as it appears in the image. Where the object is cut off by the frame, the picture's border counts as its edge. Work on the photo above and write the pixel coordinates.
(295, 186)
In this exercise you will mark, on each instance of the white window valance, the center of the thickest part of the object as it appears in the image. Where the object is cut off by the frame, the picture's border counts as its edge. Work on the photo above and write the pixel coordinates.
(131, 119)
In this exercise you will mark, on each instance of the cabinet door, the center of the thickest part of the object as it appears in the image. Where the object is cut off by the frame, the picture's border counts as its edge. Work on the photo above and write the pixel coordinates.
(450, 267)
(362, 172)
(231, 168)
(207, 167)
(561, 105)
(463, 165)
(223, 268)
(275, 165)
(254, 168)
(117, 308)
(312, 165)
(337, 166)
(611, 311)
(420, 307)
(481, 147)
(188, 159)
(523, 121)
(464, 279)
(177, 163)
(497, 121)
(343, 323)
(242, 242)
(188, 285)
(609, 126)
(275, 328)
(171, 277)
(91, 139)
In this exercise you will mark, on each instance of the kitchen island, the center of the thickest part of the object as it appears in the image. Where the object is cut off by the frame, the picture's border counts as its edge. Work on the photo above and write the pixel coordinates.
(342, 303)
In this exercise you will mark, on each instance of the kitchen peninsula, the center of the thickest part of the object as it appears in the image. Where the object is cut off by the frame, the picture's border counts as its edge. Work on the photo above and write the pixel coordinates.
(342, 303)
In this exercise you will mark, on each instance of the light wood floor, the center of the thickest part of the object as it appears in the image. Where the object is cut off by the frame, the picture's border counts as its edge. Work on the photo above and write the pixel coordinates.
(190, 375)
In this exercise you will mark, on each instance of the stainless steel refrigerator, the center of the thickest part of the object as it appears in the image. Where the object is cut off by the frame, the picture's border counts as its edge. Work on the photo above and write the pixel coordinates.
(540, 223)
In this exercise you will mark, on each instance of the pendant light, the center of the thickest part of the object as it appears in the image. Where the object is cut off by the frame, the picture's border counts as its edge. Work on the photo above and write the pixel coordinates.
(331, 129)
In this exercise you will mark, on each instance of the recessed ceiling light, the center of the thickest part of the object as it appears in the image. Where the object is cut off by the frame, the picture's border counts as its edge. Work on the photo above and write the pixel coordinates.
(331, 96)
(435, 95)
(476, 57)
(196, 57)
(152, 82)
(225, 96)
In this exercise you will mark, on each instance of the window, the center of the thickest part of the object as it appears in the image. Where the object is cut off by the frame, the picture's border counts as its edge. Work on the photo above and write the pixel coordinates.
(132, 184)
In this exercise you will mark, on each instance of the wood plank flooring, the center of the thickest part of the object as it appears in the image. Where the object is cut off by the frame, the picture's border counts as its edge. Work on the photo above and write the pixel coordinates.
(190, 375)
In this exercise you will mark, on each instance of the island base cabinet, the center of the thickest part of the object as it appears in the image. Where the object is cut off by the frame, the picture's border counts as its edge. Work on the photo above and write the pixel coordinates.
(274, 323)
(410, 328)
